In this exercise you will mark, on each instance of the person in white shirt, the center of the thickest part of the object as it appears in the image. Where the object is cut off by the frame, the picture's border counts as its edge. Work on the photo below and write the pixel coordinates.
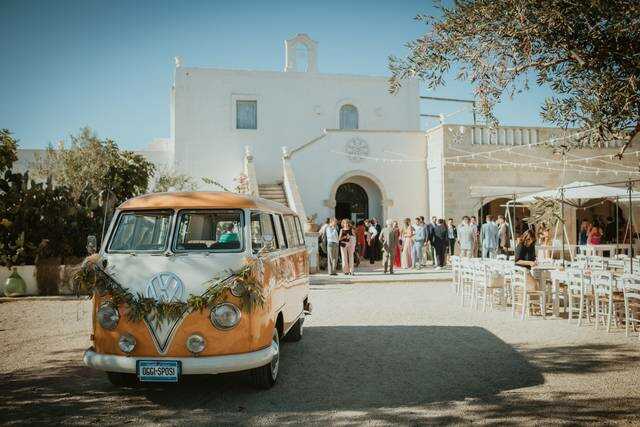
(466, 237)
(331, 236)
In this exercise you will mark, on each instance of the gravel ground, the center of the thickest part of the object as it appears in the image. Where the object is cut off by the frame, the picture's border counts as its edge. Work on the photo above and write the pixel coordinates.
(371, 353)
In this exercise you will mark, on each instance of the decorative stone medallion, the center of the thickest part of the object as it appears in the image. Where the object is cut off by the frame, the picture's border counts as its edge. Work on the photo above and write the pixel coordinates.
(357, 149)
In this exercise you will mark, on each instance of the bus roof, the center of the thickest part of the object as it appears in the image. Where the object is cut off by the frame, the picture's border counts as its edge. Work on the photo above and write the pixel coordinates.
(202, 200)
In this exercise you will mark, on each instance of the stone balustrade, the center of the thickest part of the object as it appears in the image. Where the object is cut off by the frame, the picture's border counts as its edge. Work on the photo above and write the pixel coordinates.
(508, 135)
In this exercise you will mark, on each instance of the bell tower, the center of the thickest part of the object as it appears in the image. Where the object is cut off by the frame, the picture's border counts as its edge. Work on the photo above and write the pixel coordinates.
(301, 54)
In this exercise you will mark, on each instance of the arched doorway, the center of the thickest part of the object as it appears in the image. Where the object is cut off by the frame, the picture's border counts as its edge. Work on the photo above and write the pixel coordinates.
(352, 202)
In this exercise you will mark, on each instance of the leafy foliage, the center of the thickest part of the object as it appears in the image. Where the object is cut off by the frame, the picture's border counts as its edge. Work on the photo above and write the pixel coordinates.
(64, 214)
(585, 51)
(94, 169)
(169, 180)
(545, 211)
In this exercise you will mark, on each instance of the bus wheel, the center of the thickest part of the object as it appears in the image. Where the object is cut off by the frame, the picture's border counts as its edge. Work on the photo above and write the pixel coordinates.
(119, 379)
(295, 333)
(265, 376)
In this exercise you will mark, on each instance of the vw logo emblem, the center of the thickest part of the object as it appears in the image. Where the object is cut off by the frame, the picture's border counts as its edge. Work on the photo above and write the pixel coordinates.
(165, 287)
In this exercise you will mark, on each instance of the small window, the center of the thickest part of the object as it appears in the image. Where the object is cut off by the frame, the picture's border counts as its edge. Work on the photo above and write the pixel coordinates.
(213, 231)
(141, 231)
(300, 232)
(293, 238)
(262, 231)
(246, 114)
(348, 117)
(282, 243)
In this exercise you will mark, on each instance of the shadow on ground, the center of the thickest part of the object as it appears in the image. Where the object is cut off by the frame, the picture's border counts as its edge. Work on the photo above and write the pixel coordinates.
(385, 373)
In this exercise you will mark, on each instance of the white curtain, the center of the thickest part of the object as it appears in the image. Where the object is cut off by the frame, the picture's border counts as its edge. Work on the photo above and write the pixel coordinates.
(348, 117)
(246, 115)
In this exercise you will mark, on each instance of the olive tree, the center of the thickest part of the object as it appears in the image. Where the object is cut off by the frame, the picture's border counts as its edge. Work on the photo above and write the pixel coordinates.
(587, 52)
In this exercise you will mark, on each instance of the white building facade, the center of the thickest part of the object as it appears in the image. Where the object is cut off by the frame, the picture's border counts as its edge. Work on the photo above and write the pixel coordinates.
(302, 136)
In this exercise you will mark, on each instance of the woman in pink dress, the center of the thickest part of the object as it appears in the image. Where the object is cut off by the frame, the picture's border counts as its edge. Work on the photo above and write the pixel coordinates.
(397, 259)
(407, 245)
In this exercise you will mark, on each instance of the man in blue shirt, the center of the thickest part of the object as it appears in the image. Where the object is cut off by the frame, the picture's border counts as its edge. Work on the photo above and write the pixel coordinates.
(489, 236)
(419, 237)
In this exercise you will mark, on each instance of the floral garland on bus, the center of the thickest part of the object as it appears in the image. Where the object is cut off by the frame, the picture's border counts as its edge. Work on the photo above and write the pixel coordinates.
(92, 278)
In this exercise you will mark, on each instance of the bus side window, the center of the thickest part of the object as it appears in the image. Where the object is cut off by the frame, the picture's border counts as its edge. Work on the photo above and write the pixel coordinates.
(299, 229)
(262, 233)
(277, 221)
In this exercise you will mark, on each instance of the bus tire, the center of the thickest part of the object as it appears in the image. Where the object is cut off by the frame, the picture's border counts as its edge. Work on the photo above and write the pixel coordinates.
(295, 333)
(265, 376)
(119, 379)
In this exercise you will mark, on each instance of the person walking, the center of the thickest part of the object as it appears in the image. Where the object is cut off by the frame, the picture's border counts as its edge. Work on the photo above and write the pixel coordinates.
(332, 239)
(452, 235)
(389, 242)
(466, 237)
(489, 237)
(346, 240)
(440, 242)
(419, 237)
(407, 244)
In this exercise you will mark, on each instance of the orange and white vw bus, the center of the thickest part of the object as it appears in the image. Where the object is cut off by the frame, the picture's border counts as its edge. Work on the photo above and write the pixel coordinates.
(165, 250)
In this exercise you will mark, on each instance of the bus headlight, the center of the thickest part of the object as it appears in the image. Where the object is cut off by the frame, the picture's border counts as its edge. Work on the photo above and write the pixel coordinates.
(195, 343)
(108, 316)
(225, 316)
(127, 343)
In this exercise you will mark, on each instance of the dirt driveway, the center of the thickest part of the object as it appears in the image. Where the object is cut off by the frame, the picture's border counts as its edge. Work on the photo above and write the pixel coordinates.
(372, 353)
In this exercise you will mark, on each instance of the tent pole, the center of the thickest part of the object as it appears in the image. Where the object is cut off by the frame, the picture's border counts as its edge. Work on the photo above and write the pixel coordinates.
(631, 225)
(513, 228)
(617, 225)
(562, 220)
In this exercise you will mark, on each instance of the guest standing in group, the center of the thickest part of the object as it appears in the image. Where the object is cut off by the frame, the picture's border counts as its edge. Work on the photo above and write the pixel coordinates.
(332, 239)
(407, 244)
(595, 235)
(452, 234)
(397, 259)
(361, 242)
(466, 238)
(503, 235)
(322, 234)
(372, 242)
(489, 236)
(429, 229)
(389, 243)
(378, 251)
(419, 238)
(584, 233)
(473, 222)
(347, 246)
(440, 242)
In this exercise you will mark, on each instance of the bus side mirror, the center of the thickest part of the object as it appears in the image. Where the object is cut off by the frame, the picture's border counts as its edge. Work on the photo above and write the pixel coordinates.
(92, 244)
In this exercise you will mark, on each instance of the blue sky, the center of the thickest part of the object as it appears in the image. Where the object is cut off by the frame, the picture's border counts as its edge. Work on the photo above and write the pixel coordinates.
(109, 64)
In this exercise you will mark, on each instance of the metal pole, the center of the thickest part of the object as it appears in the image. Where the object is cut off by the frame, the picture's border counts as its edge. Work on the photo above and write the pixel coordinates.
(617, 230)
(562, 219)
(631, 225)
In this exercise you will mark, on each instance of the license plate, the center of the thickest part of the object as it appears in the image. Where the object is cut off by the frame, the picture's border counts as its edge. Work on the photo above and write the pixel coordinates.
(167, 371)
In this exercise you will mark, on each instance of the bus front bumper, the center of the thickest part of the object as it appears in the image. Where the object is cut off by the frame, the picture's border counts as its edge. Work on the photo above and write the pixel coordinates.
(190, 365)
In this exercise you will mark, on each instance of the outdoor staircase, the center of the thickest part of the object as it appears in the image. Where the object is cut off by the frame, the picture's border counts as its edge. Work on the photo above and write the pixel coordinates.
(273, 192)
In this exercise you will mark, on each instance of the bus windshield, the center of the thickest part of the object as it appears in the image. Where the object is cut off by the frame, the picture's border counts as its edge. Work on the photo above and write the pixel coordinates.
(209, 230)
(141, 232)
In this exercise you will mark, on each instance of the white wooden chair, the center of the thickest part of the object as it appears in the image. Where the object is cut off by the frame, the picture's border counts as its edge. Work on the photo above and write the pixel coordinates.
(467, 289)
(578, 289)
(603, 287)
(597, 263)
(456, 271)
(521, 297)
(631, 292)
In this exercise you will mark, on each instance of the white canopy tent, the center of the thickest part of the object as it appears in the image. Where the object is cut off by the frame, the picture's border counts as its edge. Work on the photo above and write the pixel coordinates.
(579, 194)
